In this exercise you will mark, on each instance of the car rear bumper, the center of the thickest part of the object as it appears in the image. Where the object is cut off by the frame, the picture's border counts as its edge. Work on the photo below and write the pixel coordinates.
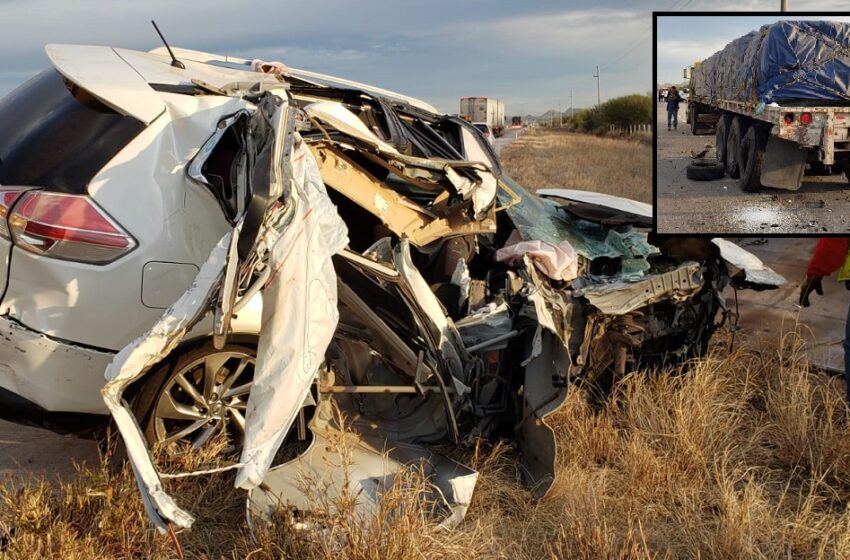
(54, 375)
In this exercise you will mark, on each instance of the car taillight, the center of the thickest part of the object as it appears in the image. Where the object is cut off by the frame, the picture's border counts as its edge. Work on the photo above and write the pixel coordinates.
(69, 227)
(806, 118)
(8, 196)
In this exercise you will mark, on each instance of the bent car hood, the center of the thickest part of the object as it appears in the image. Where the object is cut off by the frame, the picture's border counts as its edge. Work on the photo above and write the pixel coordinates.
(598, 207)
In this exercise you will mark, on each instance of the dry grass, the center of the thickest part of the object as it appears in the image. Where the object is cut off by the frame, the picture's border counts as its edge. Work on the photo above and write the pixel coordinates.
(744, 455)
(560, 159)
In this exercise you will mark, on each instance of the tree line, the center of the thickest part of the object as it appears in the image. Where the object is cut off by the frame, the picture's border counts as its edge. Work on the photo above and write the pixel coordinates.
(620, 111)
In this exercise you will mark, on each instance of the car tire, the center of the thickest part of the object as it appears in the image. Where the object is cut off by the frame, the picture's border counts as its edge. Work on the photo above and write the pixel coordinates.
(167, 406)
(733, 142)
(750, 157)
(721, 138)
(705, 170)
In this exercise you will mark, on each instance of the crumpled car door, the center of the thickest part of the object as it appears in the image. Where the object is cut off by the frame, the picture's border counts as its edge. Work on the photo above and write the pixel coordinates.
(262, 185)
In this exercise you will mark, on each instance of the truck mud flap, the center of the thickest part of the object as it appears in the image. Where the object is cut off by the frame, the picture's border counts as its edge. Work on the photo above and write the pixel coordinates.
(783, 164)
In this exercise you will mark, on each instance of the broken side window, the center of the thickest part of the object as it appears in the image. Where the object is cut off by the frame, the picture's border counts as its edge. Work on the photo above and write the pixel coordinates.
(221, 164)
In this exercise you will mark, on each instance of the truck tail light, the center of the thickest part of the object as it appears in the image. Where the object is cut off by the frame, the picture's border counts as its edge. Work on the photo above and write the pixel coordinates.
(8, 196)
(69, 227)
(806, 118)
(789, 118)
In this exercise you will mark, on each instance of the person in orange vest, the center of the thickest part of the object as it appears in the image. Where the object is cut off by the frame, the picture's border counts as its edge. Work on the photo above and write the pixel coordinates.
(831, 254)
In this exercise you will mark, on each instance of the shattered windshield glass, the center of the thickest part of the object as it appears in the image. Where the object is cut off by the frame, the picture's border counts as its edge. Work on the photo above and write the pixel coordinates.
(536, 218)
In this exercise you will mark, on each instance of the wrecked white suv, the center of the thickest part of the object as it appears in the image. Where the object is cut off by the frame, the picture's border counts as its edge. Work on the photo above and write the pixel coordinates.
(404, 278)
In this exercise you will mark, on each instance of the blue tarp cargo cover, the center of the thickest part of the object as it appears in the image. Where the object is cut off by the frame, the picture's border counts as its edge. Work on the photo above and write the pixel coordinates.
(789, 62)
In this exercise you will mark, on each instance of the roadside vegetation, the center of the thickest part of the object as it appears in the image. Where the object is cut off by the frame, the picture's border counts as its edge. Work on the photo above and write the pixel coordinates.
(559, 158)
(620, 112)
(744, 455)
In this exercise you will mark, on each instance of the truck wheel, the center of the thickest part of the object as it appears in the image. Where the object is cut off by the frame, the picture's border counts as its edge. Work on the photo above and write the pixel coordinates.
(733, 144)
(721, 138)
(693, 117)
(704, 170)
(750, 157)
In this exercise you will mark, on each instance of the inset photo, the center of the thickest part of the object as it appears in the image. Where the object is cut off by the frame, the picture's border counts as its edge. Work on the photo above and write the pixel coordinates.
(753, 124)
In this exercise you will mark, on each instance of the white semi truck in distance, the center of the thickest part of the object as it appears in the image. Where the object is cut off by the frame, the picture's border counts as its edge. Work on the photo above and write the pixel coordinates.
(484, 110)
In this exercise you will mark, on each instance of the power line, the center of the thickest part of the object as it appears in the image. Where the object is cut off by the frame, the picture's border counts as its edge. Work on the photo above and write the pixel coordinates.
(631, 49)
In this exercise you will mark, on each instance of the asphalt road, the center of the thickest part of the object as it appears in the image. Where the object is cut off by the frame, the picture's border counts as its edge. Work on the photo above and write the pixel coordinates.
(510, 135)
(766, 315)
(822, 205)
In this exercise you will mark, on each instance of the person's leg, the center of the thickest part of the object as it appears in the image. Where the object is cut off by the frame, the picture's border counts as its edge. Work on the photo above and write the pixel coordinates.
(847, 355)
(669, 119)
(676, 117)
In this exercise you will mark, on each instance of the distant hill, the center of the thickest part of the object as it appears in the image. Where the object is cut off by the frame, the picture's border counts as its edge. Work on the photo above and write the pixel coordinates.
(551, 114)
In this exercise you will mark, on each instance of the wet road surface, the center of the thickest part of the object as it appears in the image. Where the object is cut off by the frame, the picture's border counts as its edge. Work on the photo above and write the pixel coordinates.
(822, 205)
(766, 315)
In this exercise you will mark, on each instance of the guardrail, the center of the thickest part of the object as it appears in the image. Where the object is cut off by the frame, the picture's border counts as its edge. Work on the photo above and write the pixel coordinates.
(631, 129)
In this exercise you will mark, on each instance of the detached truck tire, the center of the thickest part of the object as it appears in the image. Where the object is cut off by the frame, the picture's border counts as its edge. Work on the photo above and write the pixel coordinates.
(733, 143)
(750, 157)
(705, 170)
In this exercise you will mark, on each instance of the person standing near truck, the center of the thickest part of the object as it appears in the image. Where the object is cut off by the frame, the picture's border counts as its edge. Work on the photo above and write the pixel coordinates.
(673, 100)
(831, 254)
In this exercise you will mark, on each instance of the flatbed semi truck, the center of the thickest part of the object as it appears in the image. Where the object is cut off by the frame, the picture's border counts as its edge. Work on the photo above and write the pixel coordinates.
(777, 101)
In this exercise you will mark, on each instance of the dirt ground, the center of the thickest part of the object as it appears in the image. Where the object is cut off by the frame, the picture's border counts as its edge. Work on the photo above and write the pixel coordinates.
(33, 451)
(822, 205)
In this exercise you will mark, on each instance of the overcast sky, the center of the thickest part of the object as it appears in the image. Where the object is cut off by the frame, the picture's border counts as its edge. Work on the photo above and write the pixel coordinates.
(682, 40)
(529, 53)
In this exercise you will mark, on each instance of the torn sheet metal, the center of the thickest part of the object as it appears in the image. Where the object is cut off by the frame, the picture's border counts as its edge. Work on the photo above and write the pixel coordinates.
(546, 377)
(619, 298)
(557, 261)
(400, 214)
(370, 473)
(299, 318)
(337, 116)
(482, 191)
(739, 259)
(442, 328)
(488, 323)
(134, 361)
(640, 211)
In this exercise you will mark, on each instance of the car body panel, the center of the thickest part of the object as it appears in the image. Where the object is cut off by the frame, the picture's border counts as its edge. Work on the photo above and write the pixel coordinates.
(739, 259)
(68, 300)
(307, 75)
(102, 72)
(55, 375)
(627, 206)
(5, 254)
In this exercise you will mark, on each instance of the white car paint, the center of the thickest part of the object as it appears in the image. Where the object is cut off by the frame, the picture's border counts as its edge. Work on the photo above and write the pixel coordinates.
(309, 76)
(102, 72)
(740, 259)
(626, 205)
(89, 311)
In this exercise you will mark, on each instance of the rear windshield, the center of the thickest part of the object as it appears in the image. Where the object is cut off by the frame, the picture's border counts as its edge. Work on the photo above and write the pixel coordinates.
(481, 127)
(57, 136)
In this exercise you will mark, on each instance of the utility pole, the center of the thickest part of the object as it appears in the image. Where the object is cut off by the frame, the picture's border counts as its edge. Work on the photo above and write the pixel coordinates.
(598, 98)
(783, 5)
(571, 104)
(560, 117)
